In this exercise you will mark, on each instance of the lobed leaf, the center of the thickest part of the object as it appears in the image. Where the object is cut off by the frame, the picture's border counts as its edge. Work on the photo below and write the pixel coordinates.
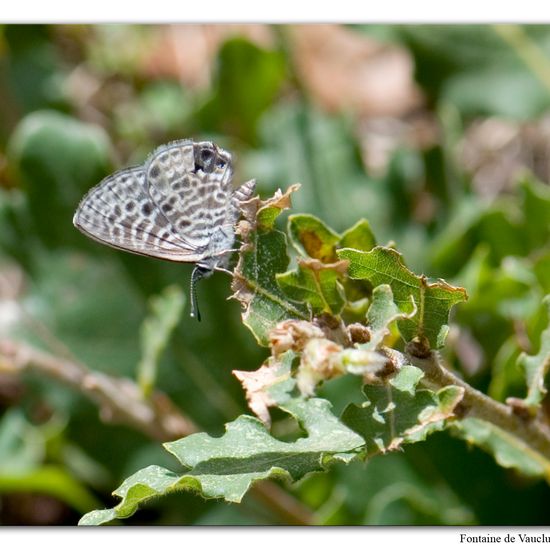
(433, 300)
(397, 412)
(227, 466)
(536, 367)
(508, 451)
(312, 237)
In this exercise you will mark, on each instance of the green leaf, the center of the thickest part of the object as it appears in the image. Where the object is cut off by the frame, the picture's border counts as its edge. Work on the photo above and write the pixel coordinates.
(381, 313)
(227, 466)
(398, 413)
(156, 329)
(266, 303)
(236, 105)
(433, 300)
(536, 367)
(311, 237)
(508, 451)
(316, 284)
(481, 69)
(359, 236)
(59, 159)
(263, 255)
(143, 485)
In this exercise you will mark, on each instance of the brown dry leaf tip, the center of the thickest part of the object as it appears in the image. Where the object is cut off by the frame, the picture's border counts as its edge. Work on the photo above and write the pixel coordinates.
(292, 334)
(281, 200)
(241, 291)
(256, 385)
(251, 208)
(321, 360)
(340, 266)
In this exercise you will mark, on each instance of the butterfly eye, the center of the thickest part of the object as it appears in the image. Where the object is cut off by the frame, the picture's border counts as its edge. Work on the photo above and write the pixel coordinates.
(206, 155)
(220, 163)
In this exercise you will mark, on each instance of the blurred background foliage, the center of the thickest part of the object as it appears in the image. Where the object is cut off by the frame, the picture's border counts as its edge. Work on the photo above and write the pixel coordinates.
(438, 135)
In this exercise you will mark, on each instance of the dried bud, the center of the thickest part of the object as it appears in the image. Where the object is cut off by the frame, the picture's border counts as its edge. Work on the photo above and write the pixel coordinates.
(321, 360)
(292, 335)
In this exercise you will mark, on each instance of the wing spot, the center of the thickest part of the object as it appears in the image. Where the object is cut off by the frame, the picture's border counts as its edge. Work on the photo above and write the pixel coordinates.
(147, 208)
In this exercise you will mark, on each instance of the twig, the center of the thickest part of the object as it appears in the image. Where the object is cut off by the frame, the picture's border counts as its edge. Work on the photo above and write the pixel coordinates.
(530, 431)
(119, 400)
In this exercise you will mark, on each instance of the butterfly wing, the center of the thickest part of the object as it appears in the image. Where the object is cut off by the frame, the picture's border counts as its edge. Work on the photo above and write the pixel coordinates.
(190, 183)
(119, 212)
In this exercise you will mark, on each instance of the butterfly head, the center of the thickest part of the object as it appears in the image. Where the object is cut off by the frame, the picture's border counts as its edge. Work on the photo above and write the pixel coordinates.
(210, 159)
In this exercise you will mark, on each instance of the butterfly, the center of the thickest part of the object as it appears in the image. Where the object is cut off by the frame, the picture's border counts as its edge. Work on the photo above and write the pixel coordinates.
(179, 205)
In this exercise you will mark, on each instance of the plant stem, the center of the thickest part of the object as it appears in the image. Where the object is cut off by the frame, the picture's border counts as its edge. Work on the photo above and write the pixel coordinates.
(119, 400)
(530, 431)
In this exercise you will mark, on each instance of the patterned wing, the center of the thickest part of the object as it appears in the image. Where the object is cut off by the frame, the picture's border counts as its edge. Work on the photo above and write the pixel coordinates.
(190, 183)
(118, 212)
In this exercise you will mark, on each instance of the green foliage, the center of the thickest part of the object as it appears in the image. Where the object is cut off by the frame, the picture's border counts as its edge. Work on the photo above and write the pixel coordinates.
(331, 315)
(236, 103)
(481, 69)
(225, 467)
(536, 367)
(166, 311)
(430, 301)
(59, 158)
(398, 413)
(508, 452)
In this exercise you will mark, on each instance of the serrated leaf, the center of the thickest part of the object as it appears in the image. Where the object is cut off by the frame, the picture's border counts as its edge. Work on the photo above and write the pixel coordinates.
(433, 300)
(156, 329)
(398, 413)
(227, 466)
(317, 284)
(508, 451)
(536, 367)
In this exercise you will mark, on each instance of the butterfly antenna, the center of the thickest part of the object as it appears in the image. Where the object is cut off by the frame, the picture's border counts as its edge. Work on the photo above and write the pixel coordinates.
(195, 276)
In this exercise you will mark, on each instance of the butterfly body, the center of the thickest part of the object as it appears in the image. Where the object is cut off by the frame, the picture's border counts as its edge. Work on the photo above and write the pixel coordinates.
(179, 206)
